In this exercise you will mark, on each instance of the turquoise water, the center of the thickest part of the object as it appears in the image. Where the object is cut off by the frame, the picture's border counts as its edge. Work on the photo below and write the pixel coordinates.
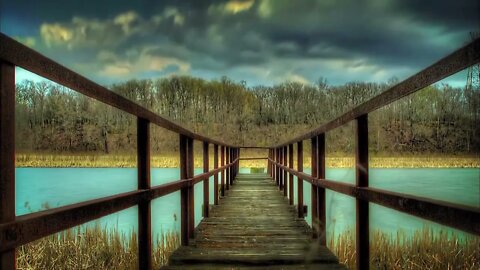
(40, 188)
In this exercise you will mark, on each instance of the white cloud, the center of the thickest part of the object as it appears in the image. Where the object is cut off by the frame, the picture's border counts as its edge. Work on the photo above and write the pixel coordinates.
(231, 7)
(119, 67)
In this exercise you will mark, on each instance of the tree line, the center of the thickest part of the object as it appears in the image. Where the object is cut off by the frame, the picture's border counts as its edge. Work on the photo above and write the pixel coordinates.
(437, 119)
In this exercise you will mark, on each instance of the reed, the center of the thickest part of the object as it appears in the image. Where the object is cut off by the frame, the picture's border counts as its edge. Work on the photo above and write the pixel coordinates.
(424, 249)
(92, 247)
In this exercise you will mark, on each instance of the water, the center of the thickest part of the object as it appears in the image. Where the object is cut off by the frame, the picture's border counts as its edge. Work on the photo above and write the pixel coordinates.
(40, 188)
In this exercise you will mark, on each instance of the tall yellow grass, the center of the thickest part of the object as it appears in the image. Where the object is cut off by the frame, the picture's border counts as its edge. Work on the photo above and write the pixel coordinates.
(171, 160)
(92, 248)
(425, 249)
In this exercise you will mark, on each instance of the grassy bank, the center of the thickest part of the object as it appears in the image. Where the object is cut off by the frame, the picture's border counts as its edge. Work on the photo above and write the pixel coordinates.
(171, 160)
(425, 249)
(91, 248)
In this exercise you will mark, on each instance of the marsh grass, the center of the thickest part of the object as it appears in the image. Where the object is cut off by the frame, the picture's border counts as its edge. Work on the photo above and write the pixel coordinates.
(92, 247)
(171, 160)
(425, 249)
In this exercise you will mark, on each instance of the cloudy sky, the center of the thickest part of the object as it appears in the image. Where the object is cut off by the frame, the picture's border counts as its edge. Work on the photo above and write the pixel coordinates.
(259, 41)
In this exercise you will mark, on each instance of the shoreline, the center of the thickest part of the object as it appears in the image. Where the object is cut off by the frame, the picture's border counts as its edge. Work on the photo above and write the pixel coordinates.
(172, 161)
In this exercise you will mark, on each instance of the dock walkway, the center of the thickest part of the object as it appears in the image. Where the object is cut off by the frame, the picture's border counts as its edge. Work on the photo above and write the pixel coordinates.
(253, 227)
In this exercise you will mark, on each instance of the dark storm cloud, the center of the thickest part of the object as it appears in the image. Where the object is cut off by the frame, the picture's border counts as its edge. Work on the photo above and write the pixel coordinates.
(265, 40)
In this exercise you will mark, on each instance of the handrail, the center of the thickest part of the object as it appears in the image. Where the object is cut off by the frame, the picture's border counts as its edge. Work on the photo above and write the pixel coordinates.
(454, 215)
(14, 52)
(442, 212)
(31, 227)
(455, 62)
(19, 230)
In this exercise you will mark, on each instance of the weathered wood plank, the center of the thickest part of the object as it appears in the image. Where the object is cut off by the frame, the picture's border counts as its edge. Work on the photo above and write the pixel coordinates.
(253, 226)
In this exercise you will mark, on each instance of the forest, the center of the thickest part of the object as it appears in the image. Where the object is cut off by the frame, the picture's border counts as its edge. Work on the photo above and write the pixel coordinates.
(438, 119)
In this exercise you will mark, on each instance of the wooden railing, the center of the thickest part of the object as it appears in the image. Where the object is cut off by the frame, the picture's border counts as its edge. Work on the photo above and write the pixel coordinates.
(19, 230)
(454, 215)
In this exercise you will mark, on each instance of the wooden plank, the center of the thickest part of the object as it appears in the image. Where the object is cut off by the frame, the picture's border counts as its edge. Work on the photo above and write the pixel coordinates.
(362, 245)
(253, 226)
(144, 207)
(7, 156)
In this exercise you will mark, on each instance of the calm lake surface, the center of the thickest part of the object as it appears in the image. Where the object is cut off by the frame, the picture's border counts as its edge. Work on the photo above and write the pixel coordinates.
(40, 188)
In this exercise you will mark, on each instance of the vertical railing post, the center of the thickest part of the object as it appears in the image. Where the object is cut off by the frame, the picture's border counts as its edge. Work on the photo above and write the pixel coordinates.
(290, 175)
(299, 179)
(237, 171)
(215, 176)
(361, 171)
(269, 168)
(227, 161)
(191, 191)
(277, 170)
(7, 156)
(274, 166)
(285, 176)
(206, 182)
(144, 211)
(222, 163)
(321, 208)
(314, 192)
(280, 176)
(184, 192)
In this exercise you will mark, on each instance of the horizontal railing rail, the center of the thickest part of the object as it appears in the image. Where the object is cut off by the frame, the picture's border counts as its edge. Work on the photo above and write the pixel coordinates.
(19, 230)
(31, 227)
(451, 64)
(435, 210)
(457, 216)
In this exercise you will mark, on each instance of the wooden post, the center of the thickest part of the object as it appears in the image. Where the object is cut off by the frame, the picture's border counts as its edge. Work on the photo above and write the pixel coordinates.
(285, 175)
(321, 208)
(299, 179)
(206, 182)
(274, 166)
(290, 177)
(227, 158)
(280, 175)
(144, 211)
(232, 168)
(277, 170)
(268, 163)
(184, 191)
(314, 191)
(222, 163)
(7, 156)
(191, 191)
(361, 171)
(215, 176)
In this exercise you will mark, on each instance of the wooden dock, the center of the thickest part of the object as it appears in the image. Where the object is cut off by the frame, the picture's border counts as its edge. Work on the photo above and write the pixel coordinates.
(253, 227)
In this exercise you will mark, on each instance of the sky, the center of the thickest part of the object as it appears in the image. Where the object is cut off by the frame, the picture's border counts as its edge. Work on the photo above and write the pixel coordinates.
(262, 42)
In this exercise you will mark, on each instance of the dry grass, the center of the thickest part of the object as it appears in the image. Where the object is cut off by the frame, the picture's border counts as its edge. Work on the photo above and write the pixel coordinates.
(171, 160)
(425, 249)
(91, 248)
